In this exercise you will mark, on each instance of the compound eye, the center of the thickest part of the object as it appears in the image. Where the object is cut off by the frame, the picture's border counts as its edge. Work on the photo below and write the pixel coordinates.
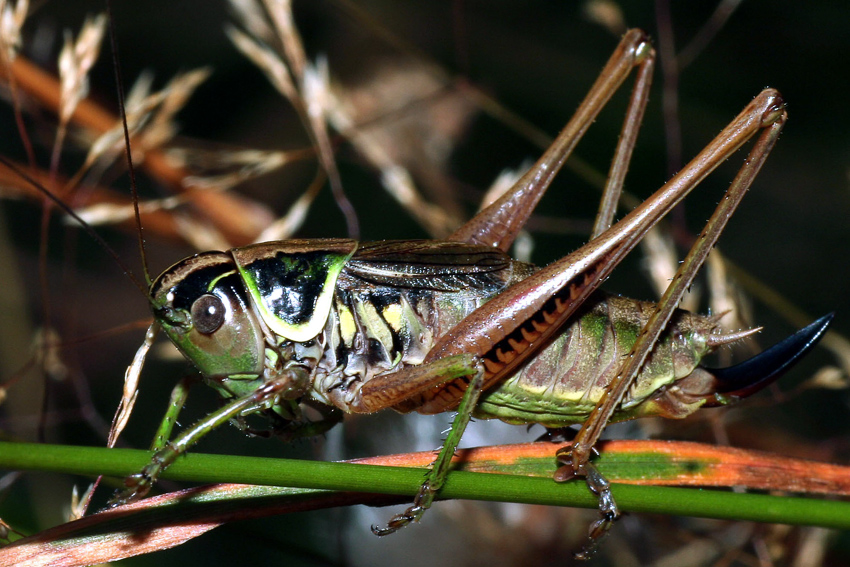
(207, 314)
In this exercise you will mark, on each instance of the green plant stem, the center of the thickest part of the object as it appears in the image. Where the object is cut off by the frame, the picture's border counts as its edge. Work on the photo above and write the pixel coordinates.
(205, 468)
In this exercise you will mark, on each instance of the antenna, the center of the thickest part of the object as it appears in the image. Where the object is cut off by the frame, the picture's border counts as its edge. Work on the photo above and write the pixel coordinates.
(119, 84)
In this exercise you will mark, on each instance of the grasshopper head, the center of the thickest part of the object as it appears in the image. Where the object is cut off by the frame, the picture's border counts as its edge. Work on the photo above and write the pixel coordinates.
(204, 309)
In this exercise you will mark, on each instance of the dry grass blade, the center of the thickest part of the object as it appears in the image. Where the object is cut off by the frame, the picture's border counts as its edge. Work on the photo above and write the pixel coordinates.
(200, 234)
(405, 122)
(315, 90)
(239, 165)
(399, 183)
(109, 145)
(176, 94)
(287, 225)
(252, 17)
(114, 204)
(239, 219)
(303, 84)
(280, 12)
(79, 503)
(266, 59)
(607, 14)
(75, 61)
(131, 388)
(48, 358)
(149, 118)
(111, 213)
(12, 18)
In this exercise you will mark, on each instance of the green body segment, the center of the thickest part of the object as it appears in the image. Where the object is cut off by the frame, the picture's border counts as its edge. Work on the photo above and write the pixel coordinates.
(564, 382)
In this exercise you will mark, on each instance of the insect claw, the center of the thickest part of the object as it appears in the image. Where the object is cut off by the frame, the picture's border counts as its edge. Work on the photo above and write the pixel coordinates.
(380, 532)
(136, 487)
(412, 514)
(595, 534)
(752, 375)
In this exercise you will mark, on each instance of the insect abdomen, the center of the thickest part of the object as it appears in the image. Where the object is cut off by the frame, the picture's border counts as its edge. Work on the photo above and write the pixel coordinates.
(562, 384)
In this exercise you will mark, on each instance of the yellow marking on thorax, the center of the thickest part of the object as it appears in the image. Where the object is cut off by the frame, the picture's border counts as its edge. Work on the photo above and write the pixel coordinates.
(347, 327)
(373, 324)
(393, 315)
